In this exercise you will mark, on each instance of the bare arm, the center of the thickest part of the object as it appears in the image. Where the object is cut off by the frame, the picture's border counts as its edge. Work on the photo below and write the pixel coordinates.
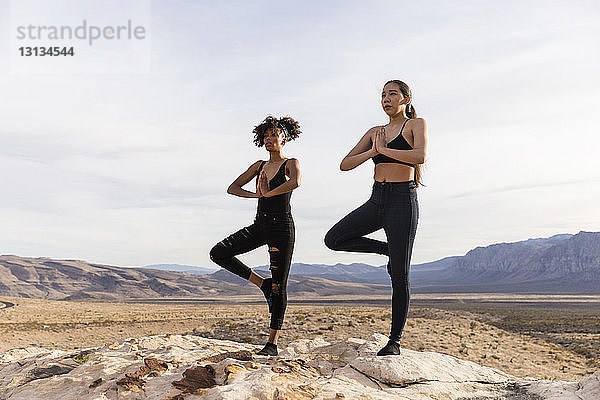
(419, 152)
(364, 149)
(236, 187)
(293, 168)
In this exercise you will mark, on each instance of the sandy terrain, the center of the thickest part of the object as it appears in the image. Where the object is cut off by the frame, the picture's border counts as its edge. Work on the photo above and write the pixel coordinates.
(69, 325)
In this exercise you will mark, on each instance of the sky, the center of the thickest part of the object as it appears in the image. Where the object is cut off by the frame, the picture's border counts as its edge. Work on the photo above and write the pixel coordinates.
(125, 159)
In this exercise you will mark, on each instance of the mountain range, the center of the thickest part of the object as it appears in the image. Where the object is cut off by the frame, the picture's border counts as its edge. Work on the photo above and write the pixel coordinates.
(559, 264)
(46, 278)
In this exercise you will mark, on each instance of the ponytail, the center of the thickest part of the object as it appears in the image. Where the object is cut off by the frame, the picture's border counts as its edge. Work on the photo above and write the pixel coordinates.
(410, 111)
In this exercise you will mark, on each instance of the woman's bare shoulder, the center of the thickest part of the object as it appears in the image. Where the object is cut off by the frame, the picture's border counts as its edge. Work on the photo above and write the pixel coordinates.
(416, 125)
(417, 121)
(254, 167)
(372, 130)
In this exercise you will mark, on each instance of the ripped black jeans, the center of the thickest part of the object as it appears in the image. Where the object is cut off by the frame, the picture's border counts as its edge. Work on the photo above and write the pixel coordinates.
(393, 206)
(278, 232)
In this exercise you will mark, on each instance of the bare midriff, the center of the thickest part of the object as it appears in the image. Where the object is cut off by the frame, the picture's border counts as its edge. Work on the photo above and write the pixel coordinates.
(389, 172)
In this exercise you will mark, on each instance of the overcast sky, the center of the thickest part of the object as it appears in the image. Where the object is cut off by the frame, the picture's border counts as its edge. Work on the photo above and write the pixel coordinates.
(132, 168)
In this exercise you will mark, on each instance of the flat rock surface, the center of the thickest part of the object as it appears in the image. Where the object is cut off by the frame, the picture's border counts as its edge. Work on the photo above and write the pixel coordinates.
(180, 367)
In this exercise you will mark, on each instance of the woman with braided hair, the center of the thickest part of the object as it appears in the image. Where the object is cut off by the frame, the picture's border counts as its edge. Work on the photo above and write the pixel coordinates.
(397, 149)
(273, 224)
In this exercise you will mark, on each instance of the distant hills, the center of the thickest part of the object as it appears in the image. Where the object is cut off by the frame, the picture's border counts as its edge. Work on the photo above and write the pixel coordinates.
(182, 268)
(562, 263)
(558, 264)
(78, 280)
(45, 278)
(357, 272)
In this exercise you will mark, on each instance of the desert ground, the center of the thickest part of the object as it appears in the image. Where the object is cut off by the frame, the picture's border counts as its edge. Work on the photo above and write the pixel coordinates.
(546, 337)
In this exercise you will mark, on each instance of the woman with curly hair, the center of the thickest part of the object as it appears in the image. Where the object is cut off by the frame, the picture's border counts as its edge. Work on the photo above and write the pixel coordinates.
(273, 224)
(397, 149)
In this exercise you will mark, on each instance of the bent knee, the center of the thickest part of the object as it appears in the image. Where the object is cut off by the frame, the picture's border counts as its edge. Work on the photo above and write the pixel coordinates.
(331, 240)
(218, 252)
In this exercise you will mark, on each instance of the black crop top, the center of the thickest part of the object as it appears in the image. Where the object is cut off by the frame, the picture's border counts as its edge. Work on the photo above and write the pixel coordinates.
(279, 203)
(398, 143)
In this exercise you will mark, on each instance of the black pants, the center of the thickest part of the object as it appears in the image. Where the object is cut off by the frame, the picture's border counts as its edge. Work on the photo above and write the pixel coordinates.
(393, 206)
(276, 231)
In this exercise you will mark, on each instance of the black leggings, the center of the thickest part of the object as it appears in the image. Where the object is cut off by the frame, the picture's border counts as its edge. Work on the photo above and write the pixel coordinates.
(393, 206)
(274, 230)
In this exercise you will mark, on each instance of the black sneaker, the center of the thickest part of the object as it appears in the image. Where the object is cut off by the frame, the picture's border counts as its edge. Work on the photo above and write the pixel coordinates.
(267, 289)
(270, 349)
(392, 348)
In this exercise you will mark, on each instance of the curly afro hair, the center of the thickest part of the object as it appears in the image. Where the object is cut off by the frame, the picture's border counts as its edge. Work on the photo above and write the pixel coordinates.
(289, 126)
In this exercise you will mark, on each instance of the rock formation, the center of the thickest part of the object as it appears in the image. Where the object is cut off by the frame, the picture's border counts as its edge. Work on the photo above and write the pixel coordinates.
(190, 367)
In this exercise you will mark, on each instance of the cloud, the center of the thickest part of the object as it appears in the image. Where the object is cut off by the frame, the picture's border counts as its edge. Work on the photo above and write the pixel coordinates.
(508, 90)
(520, 187)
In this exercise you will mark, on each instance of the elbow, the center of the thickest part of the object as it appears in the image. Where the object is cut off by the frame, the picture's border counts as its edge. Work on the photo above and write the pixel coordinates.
(230, 189)
(297, 183)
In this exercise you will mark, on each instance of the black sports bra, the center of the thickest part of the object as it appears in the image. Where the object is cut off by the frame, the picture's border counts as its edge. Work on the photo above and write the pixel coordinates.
(279, 203)
(398, 143)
